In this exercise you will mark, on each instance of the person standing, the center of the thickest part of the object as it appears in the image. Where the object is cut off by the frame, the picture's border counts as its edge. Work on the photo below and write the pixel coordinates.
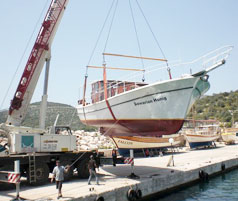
(147, 153)
(58, 175)
(97, 159)
(92, 170)
(114, 157)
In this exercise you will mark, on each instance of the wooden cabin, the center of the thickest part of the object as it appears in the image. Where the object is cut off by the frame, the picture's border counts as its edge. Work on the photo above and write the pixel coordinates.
(114, 87)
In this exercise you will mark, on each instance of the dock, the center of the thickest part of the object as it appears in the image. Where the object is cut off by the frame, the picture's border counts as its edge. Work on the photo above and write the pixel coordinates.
(155, 176)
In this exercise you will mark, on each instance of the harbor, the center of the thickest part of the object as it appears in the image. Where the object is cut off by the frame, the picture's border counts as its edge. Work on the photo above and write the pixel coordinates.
(155, 177)
(139, 99)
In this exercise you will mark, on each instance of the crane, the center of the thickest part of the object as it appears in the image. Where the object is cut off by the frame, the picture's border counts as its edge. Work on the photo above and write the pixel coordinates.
(39, 54)
(35, 148)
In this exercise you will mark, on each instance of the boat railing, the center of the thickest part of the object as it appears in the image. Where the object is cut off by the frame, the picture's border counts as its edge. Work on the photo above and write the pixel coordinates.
(114, 88)
(206, 62)
(210, 60)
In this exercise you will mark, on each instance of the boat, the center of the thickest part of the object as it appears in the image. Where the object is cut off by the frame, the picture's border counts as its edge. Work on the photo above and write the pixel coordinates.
(196, 140)
(121, 107)
(204, 135)
(125, 108)
(141, 144)
(138, 142)
(230, 135)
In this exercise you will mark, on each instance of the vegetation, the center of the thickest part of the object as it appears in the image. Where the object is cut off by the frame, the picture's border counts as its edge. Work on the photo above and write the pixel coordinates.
(218, 106)
(67, 116)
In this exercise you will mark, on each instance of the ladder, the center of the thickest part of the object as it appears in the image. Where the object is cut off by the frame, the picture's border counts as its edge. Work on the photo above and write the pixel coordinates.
(32, 168)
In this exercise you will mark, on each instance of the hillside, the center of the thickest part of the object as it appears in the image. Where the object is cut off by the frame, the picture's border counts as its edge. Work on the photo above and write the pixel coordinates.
(67, 114)
(218, 106)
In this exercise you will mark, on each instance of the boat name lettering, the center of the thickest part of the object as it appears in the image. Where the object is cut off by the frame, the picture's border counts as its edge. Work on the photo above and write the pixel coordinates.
(151, 101)
(124, 142)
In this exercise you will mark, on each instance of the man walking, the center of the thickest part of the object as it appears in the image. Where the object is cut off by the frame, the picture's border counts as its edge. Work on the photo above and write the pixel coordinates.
(92, 170)
(58, 174)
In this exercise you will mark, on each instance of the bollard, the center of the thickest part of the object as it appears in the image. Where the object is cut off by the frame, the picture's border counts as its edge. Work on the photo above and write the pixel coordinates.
(17, 171)
(132, 164)
(132, 175)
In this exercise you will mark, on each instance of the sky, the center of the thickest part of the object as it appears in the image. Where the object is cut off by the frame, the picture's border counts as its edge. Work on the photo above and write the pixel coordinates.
(184, 29)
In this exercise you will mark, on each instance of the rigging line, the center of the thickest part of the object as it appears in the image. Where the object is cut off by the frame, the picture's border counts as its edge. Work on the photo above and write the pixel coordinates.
(24, 52)
(137, 38)
(70, 123)
(151, 31)
(110, 26)
(99, 36)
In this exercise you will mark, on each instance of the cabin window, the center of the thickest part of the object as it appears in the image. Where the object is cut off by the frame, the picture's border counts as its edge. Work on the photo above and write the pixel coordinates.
(96, 87)
(113, 88)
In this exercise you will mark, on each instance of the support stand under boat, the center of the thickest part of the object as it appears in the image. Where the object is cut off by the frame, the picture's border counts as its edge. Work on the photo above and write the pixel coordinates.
(132, 175)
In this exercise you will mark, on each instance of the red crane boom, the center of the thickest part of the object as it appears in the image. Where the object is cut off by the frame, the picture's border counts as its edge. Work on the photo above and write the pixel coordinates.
(40, 52)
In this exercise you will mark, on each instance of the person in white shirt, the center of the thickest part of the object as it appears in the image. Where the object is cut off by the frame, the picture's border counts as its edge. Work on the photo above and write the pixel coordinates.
(58, 174)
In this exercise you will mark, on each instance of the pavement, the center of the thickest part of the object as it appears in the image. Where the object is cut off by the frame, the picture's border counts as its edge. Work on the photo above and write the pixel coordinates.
(111, 178)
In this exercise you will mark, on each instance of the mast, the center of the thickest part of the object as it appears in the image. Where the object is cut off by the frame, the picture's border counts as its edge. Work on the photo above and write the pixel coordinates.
(39, 53)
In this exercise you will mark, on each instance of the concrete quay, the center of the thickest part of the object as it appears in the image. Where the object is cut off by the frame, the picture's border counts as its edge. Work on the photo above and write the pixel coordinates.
(154, 175)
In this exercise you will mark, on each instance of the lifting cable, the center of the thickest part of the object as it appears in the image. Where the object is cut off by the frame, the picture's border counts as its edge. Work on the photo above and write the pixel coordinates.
(77, 159)
(154, 37)
(24, 52)
(99, 36)
(138, 42)
(71, 121)
(104, 63)
(110, 27)
(95, 46)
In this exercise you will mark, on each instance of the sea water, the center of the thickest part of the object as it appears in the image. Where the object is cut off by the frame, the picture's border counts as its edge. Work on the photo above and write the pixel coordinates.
(220, 188)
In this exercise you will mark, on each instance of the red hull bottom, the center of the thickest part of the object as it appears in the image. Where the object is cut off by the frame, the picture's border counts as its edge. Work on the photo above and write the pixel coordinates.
(148, 128)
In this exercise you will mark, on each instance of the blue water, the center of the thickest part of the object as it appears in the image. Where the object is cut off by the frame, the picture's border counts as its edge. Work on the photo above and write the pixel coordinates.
(219, 188)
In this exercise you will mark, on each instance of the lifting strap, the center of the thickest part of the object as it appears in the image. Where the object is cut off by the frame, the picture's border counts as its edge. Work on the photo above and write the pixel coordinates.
(105, 91)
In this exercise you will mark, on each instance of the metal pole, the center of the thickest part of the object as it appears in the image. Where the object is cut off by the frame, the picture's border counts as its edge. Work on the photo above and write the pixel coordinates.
(44, 96)
(132, 164)
(132, 175)
(172, 153)
(17, 170)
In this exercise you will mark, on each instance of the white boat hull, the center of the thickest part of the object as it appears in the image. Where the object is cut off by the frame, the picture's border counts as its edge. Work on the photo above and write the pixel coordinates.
(195, 140)
(152, 110)
(201, 138)
(229, 138)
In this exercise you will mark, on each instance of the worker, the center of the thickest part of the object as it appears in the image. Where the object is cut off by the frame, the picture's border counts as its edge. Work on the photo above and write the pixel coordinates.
(96, 157)
(58, 175)
(147, 153)
(114, 157)
(92, 170)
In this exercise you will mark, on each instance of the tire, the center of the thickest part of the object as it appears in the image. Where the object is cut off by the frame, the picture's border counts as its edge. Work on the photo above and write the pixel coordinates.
(131, 195)
(82, 167)
(42, 174)
(138, 193)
